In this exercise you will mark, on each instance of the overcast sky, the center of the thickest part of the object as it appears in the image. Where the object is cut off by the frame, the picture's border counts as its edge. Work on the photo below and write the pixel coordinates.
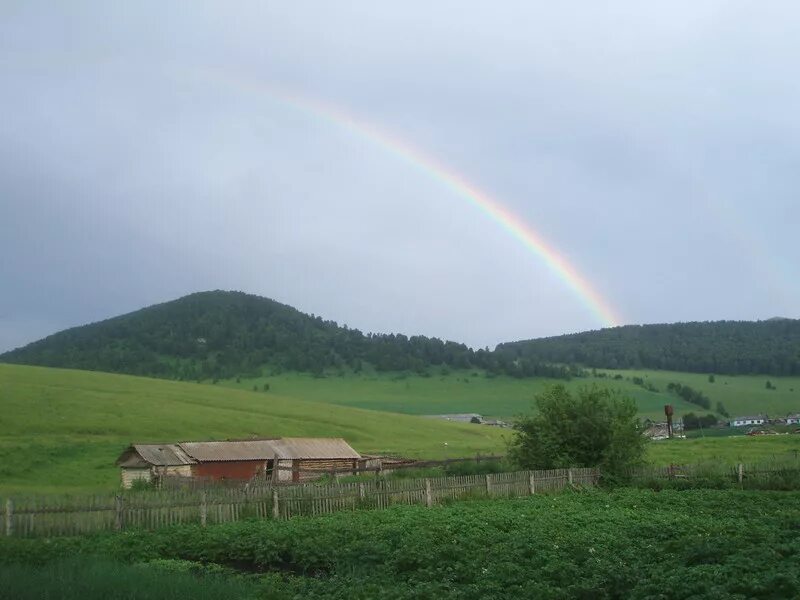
(655, 145)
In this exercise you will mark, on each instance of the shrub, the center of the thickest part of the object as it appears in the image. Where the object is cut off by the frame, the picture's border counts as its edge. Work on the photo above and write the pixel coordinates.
(593, 428)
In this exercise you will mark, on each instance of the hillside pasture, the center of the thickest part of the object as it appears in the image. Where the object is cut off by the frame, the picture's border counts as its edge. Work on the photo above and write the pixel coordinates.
(740, 394)
(505, 397)
(61, 430)
(729, 450)
(454, 392)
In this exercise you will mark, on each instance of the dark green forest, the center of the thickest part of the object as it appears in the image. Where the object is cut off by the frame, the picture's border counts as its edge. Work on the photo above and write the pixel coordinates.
(725, 347)
(216, 335)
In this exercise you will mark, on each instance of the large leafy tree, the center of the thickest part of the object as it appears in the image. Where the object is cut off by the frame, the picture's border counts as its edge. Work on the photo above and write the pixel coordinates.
(593, 427)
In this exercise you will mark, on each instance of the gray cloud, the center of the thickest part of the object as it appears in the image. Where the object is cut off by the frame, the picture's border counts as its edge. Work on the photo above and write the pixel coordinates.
(655, 145)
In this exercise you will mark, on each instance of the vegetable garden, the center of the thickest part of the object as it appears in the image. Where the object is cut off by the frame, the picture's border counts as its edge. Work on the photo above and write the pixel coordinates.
(627, 543)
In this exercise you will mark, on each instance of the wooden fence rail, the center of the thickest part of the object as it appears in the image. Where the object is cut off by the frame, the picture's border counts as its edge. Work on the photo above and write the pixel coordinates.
(150, 509)
(753, 474)
(38, 517)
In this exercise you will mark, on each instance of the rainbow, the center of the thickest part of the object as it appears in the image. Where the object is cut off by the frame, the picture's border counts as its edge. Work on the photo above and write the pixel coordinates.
(434, 169)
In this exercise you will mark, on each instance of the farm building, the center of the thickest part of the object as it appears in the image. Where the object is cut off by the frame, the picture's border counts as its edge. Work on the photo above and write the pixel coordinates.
(285, 459)
(461, 418)
(299, 458)
(746, 421)
(145, 462)
(230, 460)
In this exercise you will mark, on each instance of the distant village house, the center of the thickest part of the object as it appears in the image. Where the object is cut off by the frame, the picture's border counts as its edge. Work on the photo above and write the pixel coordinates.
(746, 421)
(278, 460)
(474, 418)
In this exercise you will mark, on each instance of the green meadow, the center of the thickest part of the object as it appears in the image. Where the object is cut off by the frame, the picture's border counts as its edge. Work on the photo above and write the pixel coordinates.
(62, 430)
(506, 397)
(729, 450)
(456, 392)
(741, 394)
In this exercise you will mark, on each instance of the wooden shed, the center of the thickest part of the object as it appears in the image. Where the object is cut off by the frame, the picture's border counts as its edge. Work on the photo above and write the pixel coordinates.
(280, 460)
(149, 462)
(297, 459)
(230, 460)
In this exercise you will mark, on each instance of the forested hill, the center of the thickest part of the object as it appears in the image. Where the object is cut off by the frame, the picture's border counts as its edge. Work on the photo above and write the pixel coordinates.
(730, 347)
(226, 334)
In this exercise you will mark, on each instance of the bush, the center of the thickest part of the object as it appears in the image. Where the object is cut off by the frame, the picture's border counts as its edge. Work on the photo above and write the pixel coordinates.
(593, 428)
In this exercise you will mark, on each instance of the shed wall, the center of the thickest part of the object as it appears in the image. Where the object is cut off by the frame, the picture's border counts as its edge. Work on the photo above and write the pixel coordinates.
(307, 469)
(131, 474)
(229, 469)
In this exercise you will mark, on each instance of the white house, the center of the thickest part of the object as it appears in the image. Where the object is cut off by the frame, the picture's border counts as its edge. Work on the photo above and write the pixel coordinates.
(747, 421)
(793, 419)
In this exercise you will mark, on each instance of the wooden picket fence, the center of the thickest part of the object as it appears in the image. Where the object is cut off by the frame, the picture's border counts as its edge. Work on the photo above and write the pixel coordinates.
(775, 473)
(41, 517)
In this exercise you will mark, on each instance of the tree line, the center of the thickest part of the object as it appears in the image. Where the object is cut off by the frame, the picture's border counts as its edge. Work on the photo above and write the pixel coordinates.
(722, 347)
(219, 335)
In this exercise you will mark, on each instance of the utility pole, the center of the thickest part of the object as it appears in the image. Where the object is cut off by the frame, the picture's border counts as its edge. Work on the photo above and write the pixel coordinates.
(668, 411)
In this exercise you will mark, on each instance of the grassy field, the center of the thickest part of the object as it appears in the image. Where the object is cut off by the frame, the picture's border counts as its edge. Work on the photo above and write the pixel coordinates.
(457, 392)
(728, 450)
(506, 397)
(741, 394)
(627, 543)
(62, 430)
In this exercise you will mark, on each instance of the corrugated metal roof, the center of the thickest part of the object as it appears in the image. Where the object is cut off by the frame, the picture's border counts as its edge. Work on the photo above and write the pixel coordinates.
(313, 448)
(226, 451)
(163, 455)
(189, 453)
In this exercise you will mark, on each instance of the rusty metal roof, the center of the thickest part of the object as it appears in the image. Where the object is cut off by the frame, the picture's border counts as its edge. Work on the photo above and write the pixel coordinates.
(161, 455)
(313, 448)
(227, 451)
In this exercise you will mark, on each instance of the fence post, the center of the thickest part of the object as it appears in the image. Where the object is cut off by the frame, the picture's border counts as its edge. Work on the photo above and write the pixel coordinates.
(531, 483)
(9, 517)
(276, 513)
(203, 508)
(570, 477)
(488, 484)
(119, 521)
(428, 494)
(362, 492)
(740, 473)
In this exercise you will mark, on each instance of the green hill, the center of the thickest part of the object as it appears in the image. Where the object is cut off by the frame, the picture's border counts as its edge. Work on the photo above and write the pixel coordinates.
(728, 347)
(216, 335)
(61, 430)
(222, 335)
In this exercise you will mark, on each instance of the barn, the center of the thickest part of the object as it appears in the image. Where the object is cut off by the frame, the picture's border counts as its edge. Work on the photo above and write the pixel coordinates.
(280, 460)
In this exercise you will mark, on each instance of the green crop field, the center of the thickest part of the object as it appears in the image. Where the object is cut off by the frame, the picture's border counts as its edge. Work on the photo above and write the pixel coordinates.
(62, 430)
(506, 397)
(627, 543)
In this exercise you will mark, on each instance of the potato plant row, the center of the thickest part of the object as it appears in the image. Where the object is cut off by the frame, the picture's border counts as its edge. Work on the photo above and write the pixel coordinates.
(626, 543)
